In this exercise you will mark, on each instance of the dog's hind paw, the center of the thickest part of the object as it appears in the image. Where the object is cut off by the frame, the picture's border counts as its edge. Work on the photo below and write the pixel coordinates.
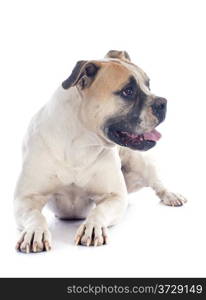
(171, 199)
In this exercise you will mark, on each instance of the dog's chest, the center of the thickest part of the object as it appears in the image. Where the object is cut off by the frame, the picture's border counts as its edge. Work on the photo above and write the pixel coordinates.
(79, 167)
(78, 176)
(71, 202)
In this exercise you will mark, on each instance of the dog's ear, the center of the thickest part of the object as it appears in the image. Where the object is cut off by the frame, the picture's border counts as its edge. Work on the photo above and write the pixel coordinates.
(118, 54)
(82, 75)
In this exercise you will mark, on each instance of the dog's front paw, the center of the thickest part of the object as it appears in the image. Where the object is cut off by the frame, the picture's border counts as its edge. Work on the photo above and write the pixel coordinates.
(34, 240)
(91, 234)
(172, 199)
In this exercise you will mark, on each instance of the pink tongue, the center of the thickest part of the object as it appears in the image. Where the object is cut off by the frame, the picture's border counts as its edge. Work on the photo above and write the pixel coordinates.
(153, 135)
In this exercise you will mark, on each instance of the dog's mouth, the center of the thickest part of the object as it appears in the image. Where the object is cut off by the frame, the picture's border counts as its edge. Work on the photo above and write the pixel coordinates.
(134, 141)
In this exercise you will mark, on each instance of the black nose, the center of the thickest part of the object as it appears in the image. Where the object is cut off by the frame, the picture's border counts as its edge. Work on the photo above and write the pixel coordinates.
(159, 108)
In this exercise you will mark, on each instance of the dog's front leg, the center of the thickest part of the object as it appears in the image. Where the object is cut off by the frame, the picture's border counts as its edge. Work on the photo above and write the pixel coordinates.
(35, 236)
(93, 232)
(31, 195)
(110, 195)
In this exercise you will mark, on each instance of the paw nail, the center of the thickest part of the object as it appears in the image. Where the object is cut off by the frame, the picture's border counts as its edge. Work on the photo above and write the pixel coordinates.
(77, 241)
(27, 248)
(106, 240)
(17, 246)
(47, 246)
(35, 247)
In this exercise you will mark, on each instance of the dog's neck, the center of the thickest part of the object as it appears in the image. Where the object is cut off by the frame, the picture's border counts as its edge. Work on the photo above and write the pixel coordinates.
(70, 136)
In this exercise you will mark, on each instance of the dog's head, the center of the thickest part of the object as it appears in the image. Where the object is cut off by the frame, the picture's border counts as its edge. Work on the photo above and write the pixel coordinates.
(117, 103)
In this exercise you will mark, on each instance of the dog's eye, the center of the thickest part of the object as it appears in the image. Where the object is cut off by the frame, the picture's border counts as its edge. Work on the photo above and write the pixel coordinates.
(128, 92)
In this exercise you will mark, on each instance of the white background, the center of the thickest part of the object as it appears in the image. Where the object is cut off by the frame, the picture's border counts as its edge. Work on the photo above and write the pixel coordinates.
(40, 42)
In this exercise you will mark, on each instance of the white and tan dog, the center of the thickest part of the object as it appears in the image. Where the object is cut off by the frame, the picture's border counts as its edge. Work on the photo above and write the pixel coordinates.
(78, 154)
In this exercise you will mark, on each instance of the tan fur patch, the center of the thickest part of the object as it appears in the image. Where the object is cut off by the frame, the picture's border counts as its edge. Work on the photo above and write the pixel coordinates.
(111, 77)
(99, 100)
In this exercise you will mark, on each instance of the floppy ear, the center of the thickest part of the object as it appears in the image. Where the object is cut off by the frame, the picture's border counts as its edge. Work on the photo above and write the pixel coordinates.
(118, 54)
(83, 74)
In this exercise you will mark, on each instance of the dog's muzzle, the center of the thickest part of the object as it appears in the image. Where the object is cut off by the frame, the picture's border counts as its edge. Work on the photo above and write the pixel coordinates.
(159, 108)
(142, 142)
(123, 135)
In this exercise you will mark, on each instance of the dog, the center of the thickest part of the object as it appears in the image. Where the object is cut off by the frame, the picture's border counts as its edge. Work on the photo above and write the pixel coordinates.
(82, 153)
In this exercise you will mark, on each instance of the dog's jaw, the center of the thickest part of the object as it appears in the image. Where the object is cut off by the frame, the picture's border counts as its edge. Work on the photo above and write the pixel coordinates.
(134, 141)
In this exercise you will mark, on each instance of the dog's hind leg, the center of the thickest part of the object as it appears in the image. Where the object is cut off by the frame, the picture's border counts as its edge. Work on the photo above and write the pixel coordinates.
(139, 171)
